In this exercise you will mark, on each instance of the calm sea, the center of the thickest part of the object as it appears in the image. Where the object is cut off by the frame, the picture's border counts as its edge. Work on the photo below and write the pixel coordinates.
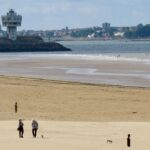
(109, 50)
(126, 50)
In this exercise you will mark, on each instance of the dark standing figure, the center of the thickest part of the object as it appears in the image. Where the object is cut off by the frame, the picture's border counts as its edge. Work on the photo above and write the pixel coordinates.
(128, 141)
(16, 107)
(34, 128)
(20, 128)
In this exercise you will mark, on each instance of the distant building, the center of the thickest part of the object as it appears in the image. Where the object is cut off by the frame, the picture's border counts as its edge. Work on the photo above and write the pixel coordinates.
(11, 20)
(67, 29)
(106, 26)
(91, 35)
(119, 34)
(2, 34)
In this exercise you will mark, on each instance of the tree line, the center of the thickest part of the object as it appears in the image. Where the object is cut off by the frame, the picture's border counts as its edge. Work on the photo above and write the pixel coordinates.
(142, 31)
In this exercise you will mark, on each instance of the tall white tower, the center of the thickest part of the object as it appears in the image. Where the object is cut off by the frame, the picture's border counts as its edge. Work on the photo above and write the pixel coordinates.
(11, 20)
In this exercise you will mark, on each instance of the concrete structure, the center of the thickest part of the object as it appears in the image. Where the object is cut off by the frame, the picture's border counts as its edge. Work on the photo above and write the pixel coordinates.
(11, 20)
(106, 26)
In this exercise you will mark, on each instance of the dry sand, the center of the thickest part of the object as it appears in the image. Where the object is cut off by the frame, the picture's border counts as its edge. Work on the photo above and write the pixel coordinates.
(75, 136)
(69, 115)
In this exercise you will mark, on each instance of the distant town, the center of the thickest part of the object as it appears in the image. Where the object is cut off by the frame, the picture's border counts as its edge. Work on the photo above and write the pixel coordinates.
(103, 32)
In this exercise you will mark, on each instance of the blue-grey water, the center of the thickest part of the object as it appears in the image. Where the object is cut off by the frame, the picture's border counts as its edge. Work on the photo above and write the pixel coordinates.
(108, 62)
(125, 49)
(104, 47)
(130, 50)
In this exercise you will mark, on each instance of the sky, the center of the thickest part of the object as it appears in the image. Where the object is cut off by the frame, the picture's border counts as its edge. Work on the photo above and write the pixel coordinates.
(57, 14)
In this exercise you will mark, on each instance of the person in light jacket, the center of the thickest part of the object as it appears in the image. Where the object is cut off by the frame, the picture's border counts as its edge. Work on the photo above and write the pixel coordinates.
(34, 128)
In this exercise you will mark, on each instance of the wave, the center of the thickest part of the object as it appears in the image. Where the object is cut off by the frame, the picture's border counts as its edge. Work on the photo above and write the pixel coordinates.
(95, 57)
(110, 57)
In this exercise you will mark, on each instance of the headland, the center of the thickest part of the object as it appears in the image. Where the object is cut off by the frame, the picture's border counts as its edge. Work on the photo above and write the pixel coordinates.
(12, 43)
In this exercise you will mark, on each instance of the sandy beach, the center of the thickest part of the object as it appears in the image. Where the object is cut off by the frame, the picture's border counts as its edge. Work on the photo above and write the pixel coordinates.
(76, 135)
(75, 104)
(73, 115)
(68, 101)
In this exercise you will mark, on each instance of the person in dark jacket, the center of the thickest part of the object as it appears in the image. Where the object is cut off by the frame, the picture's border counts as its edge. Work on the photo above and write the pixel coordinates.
(20, 128)
(128, 141)
(16, 107)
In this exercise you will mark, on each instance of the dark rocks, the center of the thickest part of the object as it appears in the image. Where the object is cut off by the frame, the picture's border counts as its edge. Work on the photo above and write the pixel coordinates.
(30, 44)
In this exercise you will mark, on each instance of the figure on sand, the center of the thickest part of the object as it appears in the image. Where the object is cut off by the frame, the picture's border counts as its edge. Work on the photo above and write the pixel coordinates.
(20, 128)
(34, 128)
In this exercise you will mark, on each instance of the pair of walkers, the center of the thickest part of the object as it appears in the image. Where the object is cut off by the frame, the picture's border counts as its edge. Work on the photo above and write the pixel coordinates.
(21, 128)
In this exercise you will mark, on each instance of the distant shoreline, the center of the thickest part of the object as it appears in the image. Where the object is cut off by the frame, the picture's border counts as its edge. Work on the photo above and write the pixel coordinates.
(99, 39)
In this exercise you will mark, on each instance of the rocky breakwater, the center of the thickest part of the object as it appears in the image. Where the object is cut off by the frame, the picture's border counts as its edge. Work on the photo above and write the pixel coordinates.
(30, 44)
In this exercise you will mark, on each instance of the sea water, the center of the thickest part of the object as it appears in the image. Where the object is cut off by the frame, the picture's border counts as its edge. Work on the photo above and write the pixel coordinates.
(100, 50)
(110, 50)
(130, 63)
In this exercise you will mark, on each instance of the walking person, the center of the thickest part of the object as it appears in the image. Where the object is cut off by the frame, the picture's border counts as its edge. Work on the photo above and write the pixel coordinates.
(34, 128)
(20, 128)
(16, 107)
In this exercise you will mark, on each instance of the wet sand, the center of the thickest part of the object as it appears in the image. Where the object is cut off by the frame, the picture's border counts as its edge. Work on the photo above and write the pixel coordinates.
(67, 101)
(127, 73)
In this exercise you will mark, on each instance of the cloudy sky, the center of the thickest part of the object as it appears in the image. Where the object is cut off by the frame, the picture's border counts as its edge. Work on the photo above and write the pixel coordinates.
(56, 14)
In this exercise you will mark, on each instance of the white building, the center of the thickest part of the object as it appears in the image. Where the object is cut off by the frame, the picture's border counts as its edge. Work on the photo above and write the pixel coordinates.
(11, 20)
(119, 34)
